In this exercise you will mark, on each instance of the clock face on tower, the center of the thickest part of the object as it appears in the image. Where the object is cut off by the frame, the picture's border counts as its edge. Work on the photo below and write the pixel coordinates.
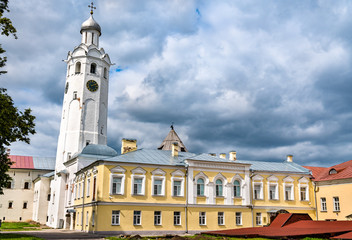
(92, 85)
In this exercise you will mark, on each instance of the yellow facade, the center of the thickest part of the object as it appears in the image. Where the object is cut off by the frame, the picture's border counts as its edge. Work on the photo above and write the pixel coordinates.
(196, 213)
(337, 200)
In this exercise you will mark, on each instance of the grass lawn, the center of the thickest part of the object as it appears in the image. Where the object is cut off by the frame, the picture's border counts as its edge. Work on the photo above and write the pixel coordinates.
(19, 226)
(17, 236)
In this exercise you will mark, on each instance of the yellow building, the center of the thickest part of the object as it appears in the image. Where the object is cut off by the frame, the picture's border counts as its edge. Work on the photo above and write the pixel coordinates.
(332, 190)
(174, 191)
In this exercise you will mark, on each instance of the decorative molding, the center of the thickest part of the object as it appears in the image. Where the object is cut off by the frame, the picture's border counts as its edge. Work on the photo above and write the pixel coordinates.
(303, 180)
(257, 177)
(288, 179)
(139, 170)
(158, 171)
(117, 169)
(178, 173)
(217, 165)
(220, 176)
(201, 175)
(272, 178)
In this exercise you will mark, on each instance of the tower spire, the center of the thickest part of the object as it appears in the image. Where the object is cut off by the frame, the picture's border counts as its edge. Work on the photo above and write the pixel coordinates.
(91, 6)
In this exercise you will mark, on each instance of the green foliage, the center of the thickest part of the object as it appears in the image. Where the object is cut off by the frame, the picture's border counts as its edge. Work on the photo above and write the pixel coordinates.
(15, 126)
(6, 29)
(18, 236)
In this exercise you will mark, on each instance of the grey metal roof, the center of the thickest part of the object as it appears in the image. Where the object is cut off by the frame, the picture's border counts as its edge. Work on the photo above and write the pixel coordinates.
(209, 158)
(151, 156)
(97, 149)
(275, 166)
(50, 174)
(44, 163)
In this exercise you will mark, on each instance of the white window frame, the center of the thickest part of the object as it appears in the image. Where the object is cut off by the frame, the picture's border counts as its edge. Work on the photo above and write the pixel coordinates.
(118, 172)
(75, 191)
(93, 218)
(258, 181)
(162, 178)
(233, 188)
(303, 182)
(221, 218)
(79, 190)
(87, 218)
(140, 174)
(258, 219)
(88, 187)
(178, 175)
(337, 207)
(273, 181)
(289, 182)
(206, 182)
(158, 217)
(202, 218)
(177, 218)
(323, 205)
(238, 215)
(140, 218)
(115, 217)
(122, 190)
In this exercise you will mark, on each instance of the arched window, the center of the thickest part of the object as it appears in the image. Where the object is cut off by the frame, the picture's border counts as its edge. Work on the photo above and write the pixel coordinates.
(93, 67)
(236, 188)
(200, 187)
(218, 188)
(105, 73)
(78, 67)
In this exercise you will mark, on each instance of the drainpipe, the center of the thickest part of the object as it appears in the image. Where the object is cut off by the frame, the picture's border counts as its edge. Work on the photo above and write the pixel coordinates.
(251, 195)
(186, 206)
(315, 199)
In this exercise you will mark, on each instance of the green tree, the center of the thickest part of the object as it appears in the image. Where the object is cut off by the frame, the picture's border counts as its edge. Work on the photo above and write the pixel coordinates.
(14, 124)
(6, 29)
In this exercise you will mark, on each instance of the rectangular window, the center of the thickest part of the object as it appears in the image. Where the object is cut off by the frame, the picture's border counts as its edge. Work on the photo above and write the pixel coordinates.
(87, 218)
(10, 204)
(25, 205)
(78, 219)
(257, 191)
(303, 191)
(157, 186)
(74, 95)
(238, 218)
(202, 218)
(258, 218)
(137, 217)
(81, 218)
(221, 220)
(88, 187)
(157, 217)
(137, 186)
(9, 184)
(272, 192)
(177, 188)
(94, 186)
(26, 185)
(79, 190)
(336, 204)
(115, 218)
(323, 204)
(288, 192)
(177, 218)
(116, 185)
(93, 218)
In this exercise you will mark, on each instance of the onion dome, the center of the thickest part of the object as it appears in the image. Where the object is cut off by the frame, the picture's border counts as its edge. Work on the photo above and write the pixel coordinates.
(90, 24)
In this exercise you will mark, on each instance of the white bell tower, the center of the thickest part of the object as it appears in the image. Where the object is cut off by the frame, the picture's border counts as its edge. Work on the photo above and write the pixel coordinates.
(84, 113)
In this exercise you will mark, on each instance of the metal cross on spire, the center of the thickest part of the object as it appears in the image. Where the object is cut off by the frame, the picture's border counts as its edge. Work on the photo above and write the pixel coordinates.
(91, 6)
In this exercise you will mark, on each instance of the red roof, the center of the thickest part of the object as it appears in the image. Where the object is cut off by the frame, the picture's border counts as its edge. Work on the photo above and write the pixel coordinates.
(22, 162)
(343, 171)
(295, 229)
(344, 236)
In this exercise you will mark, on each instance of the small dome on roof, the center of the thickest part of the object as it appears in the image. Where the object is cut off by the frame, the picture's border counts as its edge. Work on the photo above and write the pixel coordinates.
(91, 24)
(97, 149)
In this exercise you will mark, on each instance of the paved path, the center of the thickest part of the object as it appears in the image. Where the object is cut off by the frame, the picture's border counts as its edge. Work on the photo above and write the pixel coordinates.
(60, 234)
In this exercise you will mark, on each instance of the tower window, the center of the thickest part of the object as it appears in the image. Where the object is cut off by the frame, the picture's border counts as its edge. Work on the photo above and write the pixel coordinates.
(78, 68)
(92, 38)
(66, 88)
(93, 67)
(74, 95)
(105, 73)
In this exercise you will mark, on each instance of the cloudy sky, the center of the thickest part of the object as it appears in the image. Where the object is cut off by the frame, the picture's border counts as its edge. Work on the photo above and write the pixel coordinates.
(264, 78)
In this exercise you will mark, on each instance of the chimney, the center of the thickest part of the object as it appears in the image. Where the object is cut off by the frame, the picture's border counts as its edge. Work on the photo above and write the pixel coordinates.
(222, 155)
(212, 154)
(232, 156)
(128, 145)
(174, 150)
(289, 158)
